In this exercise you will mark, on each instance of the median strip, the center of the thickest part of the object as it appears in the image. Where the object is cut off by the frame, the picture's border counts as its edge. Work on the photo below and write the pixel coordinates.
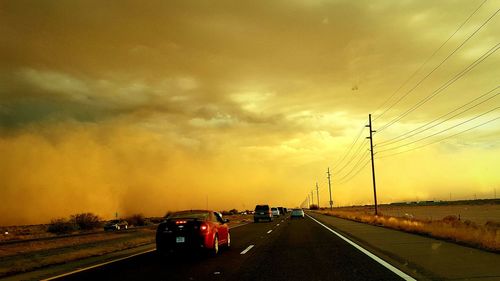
(366, 252)
(246, 250)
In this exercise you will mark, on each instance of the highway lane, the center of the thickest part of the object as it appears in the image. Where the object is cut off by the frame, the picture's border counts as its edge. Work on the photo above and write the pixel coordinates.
(282, 250)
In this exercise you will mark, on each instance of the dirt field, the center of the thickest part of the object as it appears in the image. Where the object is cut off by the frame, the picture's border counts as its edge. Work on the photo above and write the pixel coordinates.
(479, 214)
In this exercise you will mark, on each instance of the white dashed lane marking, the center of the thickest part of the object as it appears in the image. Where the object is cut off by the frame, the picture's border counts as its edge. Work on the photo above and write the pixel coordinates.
(246, 250)
(269, 231)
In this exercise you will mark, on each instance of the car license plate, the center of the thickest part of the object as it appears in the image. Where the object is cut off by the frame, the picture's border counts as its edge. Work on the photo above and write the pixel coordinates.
(180, 239)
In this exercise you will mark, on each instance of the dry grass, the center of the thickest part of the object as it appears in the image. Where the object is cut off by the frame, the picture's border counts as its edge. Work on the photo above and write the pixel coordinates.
(24, 263)
(27, 247)
(479, 214)
(485, 236)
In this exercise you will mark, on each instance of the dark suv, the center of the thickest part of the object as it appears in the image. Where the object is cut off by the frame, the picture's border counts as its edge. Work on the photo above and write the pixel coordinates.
(262, 212)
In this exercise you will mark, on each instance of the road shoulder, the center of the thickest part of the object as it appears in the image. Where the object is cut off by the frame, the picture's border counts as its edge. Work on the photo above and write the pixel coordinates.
(423, 257)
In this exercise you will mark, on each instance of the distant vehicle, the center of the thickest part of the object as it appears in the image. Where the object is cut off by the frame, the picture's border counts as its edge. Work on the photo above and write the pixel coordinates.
(115, 225)
(275, 211)
(262, 212)
(282, 210)
(193, 230)
(286, 210)
(297, 213)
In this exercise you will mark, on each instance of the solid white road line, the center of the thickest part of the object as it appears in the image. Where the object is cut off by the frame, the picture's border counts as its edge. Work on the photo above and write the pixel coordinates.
(97, 265)
(366, 252)
(269, 231)
(246, 250)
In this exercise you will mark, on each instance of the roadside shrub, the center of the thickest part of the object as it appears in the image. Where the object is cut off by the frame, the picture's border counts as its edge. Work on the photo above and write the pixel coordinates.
(494, 225)
(230, 212)
(61, 226)
(168, 213)
(156, 220)
(450, 219)
(313, 207)
(86, 221)
(136, 220)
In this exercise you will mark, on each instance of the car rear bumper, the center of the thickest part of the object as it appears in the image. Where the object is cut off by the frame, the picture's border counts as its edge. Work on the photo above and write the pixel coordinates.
(262, 217)
(171, 242)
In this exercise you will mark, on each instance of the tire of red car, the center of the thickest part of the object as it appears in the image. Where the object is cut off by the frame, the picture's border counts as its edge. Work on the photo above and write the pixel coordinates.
(215, 249)
(228, 243)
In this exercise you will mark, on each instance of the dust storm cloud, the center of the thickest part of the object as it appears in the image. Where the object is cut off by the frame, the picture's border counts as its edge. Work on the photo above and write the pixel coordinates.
(130, 107)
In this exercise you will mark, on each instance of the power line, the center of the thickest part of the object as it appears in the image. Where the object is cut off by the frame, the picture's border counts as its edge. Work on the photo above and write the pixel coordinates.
(363, 156)
(450, 136)
(443, 87)
(442, 131)
(356, 153)
(350, 148)
(434, 69)
(355, 174)
(425, 63)
(409, 133)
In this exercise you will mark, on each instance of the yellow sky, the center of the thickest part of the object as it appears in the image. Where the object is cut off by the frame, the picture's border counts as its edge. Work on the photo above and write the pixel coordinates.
(134, 106)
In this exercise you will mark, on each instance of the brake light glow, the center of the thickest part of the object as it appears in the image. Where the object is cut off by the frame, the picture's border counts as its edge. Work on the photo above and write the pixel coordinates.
(203, 228)
(180, 222)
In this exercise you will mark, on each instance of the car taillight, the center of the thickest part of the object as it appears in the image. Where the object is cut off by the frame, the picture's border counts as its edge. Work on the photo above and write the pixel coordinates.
(203, 227)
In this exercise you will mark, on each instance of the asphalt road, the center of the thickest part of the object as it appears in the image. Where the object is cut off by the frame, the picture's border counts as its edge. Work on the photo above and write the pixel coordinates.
(298, 249)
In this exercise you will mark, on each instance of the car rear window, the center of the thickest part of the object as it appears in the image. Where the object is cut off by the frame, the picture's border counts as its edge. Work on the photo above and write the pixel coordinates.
(262, 208)
(189, 215)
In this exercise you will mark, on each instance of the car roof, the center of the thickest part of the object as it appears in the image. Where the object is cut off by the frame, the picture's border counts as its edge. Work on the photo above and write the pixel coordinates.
(262, 207)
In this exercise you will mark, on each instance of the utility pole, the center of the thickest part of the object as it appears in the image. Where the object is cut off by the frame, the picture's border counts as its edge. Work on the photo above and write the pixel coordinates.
(317, 193)
(330, 188)
(312, 196)
(308, 201)
(373, 163)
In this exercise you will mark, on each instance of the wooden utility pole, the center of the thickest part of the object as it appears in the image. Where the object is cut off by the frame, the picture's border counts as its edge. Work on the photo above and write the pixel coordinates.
(312, 197)
(317, 193)
(330, 188)
(373, 163)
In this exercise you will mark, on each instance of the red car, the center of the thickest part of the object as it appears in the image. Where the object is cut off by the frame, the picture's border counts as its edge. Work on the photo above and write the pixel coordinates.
(193, 230)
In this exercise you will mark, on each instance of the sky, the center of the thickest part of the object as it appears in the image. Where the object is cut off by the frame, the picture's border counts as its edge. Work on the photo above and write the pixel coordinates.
(147, 107)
